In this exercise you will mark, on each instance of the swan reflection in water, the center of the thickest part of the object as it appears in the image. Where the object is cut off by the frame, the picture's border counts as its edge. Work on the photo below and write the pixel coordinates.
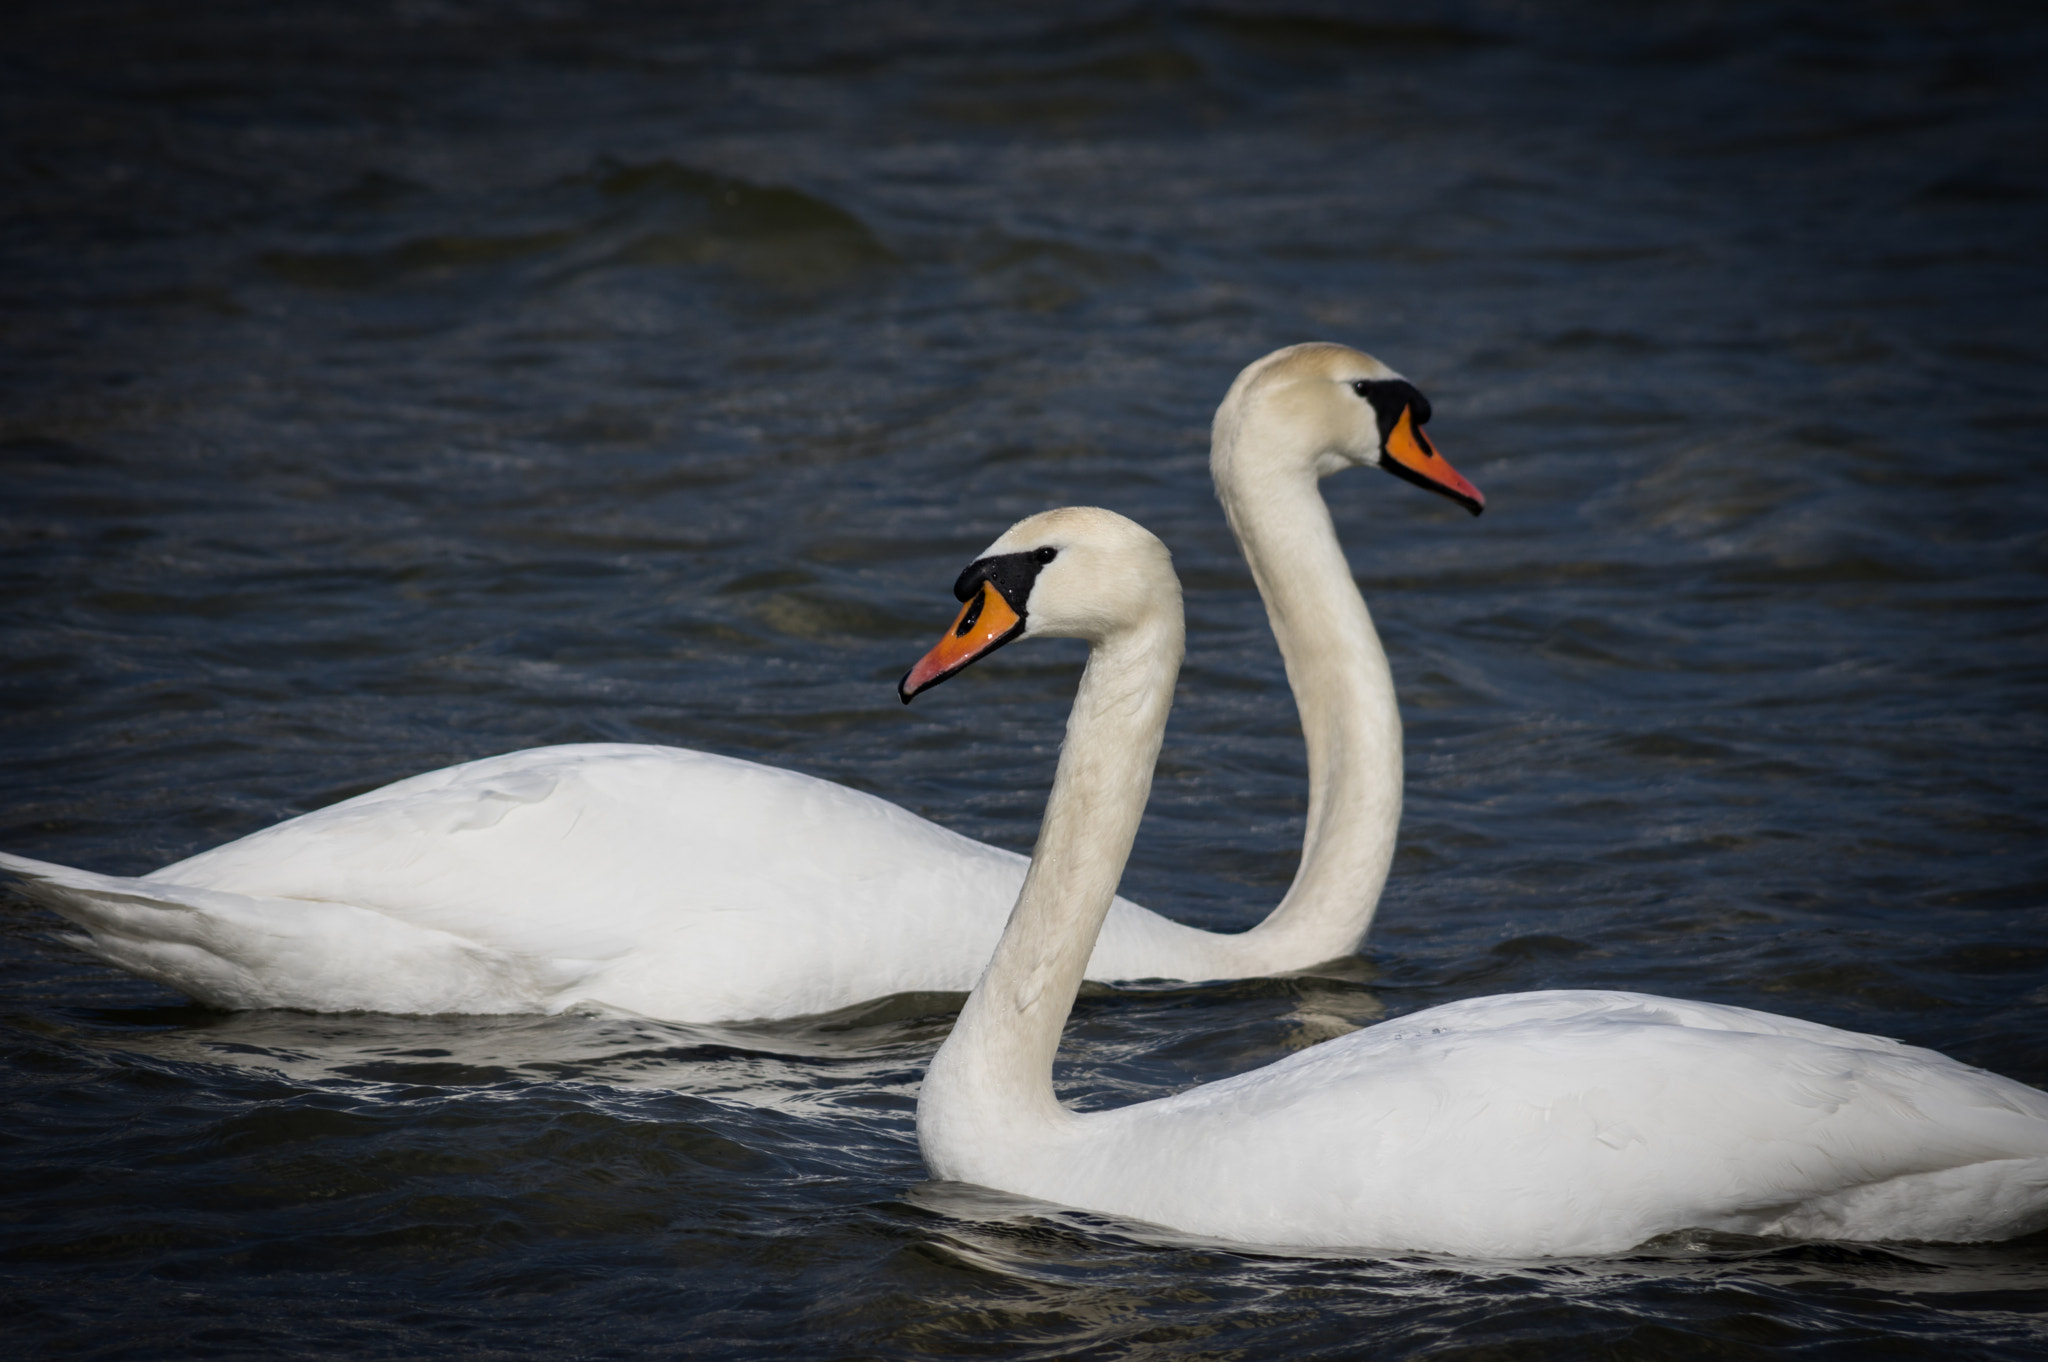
(871, 1055)
(805, 1066)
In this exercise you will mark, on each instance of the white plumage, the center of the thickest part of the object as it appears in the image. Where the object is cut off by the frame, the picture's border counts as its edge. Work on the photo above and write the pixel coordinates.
(701, 888)
(672, 883)
(1518, 1126)
(1576, 1123)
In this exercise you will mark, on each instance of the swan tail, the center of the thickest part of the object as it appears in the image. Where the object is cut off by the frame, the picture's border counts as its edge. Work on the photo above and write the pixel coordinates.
(239, 951)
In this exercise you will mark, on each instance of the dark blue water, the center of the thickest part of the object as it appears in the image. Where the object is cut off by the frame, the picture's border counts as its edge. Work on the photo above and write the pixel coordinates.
(389, 385)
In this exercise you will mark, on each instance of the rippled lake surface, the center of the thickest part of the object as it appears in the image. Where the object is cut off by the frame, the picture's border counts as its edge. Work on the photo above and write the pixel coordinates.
(394, 384)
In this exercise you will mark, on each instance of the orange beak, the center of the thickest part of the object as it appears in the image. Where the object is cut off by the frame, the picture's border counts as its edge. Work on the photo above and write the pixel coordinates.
(984, 624)
(1411, 457)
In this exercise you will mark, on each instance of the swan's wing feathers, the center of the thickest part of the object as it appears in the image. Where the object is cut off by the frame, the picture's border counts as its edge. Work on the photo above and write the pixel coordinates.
(1475, 1123)
(241, 951)
(396, 825)
(673, 882)
(1561, 1006)
(1693, 1070)
(676, 883)
(575, 852)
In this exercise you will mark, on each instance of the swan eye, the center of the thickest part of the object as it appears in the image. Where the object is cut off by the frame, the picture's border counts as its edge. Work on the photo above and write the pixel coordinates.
(1388, 396)
(1044, 556)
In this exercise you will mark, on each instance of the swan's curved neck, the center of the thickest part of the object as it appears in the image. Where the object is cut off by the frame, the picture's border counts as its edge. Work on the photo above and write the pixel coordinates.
(1342, 686)
(989, 1093)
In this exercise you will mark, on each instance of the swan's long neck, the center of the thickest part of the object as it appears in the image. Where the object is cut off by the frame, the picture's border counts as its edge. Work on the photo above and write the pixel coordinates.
(989, 1094)
(1343, 688)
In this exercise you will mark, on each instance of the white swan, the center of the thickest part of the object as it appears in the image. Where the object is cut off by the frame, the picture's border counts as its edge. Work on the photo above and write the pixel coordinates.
(1526, 1125)
(701, 888)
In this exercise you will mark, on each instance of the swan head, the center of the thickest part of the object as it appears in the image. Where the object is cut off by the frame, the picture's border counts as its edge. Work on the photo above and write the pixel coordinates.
(1077, 572)
(1329, 407)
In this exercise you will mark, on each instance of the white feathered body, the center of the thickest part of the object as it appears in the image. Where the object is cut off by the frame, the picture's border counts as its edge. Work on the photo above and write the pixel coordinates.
(1553, 1123)
(1526, 1125)
(701, 888)
(668, 882)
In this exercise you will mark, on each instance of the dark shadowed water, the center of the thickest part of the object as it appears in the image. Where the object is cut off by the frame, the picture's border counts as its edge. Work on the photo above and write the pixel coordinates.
(392, 384)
